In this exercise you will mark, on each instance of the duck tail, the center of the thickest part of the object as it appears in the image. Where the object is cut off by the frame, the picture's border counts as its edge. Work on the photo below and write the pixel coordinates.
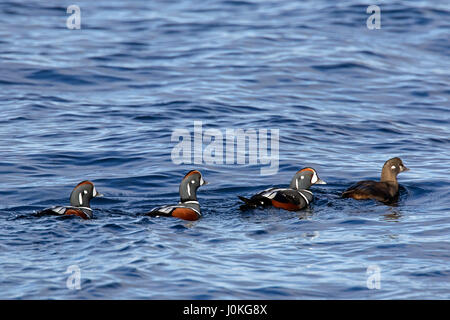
(248, 204)
(345, 194)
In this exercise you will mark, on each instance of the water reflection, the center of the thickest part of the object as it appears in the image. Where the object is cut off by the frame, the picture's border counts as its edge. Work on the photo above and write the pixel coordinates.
(393, 215)
(311, 235)
(305, 214)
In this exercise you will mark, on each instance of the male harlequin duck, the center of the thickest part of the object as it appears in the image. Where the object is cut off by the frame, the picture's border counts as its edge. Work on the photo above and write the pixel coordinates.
(188, 208)
(79, 202)
(386, 190)
(294, 198)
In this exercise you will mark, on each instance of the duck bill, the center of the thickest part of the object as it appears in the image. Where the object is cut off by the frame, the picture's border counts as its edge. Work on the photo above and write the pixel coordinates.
(405, 169)
(320, 181)
(203, 182)
(97, 194)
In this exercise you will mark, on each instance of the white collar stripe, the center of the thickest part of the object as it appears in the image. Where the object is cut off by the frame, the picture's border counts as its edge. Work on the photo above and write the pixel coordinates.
(307, 201)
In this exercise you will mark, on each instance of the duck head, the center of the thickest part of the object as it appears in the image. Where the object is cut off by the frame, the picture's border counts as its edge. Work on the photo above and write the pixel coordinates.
(83, 193)
(305, 178)
(189, 185)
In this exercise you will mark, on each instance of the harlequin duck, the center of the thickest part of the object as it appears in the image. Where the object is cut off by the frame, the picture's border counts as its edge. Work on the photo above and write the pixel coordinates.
(79, 202)
(294, 198)
(386, 190)
(188, 208)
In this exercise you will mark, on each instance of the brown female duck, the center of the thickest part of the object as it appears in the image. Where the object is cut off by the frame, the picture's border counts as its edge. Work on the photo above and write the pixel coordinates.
(385, 190)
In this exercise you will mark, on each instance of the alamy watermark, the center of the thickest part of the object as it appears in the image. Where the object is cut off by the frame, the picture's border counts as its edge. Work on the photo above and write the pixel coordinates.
(231, 146)
(73, 282)
(374, 277)
(74, 20)
(374, 21)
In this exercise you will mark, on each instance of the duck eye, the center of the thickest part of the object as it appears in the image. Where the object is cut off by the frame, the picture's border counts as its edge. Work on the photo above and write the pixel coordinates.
(393, 167)
(302, 177)
(192, 181)
(85, 192)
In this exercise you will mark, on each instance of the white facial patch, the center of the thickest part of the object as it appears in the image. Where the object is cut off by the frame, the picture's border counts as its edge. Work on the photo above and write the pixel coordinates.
(80, 198)
(202, 182)
(189, 189)
(94, 192)
(314, 178)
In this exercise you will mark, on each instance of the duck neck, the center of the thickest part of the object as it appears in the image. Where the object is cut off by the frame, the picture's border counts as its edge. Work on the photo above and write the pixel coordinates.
(77, 199)
(187, 192)
(388, 176)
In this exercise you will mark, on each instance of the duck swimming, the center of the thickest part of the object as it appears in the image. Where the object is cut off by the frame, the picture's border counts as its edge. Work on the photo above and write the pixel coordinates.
(188, 208)
(80, 199)
(385, 190)
(294, 198)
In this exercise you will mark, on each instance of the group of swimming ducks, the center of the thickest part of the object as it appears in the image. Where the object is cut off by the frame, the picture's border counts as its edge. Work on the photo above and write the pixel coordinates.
(294, 198)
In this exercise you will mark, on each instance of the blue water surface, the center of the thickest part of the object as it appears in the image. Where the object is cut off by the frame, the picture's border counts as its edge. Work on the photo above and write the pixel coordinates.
(102, 102)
